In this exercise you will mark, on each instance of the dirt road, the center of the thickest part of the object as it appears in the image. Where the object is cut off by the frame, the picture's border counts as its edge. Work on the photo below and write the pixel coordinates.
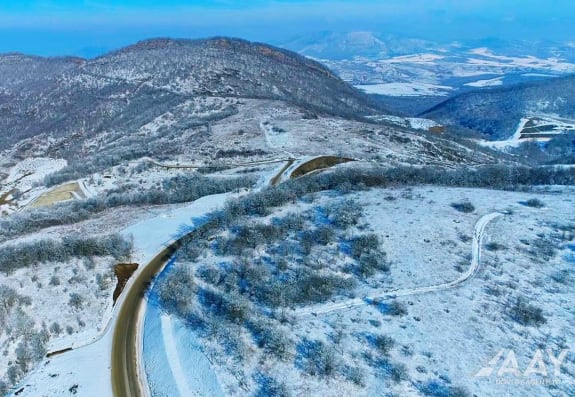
(358, 302)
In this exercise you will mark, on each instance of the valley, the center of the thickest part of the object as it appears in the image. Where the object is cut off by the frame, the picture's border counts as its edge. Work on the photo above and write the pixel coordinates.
(226, 218)
(393, 66)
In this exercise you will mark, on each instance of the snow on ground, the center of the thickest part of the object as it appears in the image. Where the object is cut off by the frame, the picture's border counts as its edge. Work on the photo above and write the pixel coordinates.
(82, 372)
(486, 83)
(160, 375)
(512, 141)
(406, 89)
(423, 237)
(410, 122)
(277, 138)
(33, 170)
(456, 332)
(537, 75)
(89, 366)
(151, 235)
(50, 287)
(22, 178)
(422, 124)
(547, 124)
(549, 64)
(448, 335)
(415, 58)
(175, 364)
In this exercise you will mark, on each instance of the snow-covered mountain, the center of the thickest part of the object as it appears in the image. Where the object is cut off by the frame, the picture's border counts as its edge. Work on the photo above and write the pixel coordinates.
(60, 95)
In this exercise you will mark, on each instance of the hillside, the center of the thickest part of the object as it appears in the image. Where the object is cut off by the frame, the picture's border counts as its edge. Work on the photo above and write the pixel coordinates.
(131, 87)
(201, 102)
(497, 112)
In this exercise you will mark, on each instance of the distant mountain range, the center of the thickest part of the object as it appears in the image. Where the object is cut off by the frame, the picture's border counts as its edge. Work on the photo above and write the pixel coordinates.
(337, 46)
(344, 46)
(398, 68)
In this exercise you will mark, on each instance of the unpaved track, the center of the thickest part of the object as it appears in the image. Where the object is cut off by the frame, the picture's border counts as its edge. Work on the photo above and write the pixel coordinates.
(231, 165)
(359, 302)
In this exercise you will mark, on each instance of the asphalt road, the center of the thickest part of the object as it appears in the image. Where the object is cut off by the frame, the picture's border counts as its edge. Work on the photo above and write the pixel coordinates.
(126, 381)
(125, 372)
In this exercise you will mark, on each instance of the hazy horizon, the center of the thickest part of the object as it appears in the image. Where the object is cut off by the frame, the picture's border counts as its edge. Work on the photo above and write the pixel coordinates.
(91, 27)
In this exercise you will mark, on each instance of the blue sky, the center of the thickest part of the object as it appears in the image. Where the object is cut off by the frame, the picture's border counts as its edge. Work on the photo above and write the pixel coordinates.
(88, 27)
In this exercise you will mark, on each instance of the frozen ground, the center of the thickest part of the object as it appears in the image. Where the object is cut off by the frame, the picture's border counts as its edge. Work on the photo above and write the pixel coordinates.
(87, 369)
(406, 89)
(445, 337)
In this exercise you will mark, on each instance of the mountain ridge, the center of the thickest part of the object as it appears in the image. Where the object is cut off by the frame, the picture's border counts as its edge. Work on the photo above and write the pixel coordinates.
(55, 95)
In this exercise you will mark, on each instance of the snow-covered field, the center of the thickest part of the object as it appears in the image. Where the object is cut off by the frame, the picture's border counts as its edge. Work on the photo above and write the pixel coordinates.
(497, 81)
(21, 181)
(488, 58)
(446, 336)
(444, 72)
(410, 122)
(406, 89)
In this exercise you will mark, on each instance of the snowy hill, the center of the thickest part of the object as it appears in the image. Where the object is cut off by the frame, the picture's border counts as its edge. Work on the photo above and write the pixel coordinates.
(133, 86)
(498, 111)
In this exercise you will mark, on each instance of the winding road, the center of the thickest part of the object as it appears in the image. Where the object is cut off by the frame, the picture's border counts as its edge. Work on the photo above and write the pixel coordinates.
(128, 377)
(126, 368)
(126, 372)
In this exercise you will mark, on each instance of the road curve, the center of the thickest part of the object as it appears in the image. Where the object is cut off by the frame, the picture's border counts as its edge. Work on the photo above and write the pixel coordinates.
(358, 302)
(125, 371)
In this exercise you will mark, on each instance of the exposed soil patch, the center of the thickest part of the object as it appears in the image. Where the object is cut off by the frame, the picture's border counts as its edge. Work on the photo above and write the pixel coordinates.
(123, 273)
(4, 198)
(318, 163)
(69, 191)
